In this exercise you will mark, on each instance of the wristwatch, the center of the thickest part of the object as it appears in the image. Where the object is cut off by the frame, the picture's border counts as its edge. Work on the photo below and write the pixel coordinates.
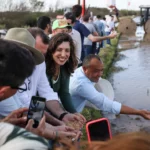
(62, 115)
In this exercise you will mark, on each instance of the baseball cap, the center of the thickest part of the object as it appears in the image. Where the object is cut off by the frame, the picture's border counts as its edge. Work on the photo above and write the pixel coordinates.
(61, 23)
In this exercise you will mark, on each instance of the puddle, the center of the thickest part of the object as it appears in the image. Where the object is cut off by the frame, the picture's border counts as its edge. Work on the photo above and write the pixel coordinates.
(132, 87)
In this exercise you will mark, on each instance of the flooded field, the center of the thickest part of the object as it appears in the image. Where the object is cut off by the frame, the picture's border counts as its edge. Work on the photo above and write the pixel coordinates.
(132, 84)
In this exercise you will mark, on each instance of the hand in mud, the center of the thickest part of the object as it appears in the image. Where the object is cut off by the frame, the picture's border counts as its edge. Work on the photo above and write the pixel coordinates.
(145, 114)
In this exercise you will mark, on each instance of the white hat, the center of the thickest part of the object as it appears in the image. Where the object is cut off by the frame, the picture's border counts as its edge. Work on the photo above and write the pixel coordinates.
(105, 87)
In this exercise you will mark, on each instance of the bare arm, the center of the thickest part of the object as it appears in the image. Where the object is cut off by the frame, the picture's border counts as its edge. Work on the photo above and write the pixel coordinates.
(100, 38)
(52, 120)
(55, 107)
(95, 34)
(131, 111)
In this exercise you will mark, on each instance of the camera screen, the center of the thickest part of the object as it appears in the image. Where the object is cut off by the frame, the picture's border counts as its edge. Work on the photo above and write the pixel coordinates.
(36, 109)
(99, 131)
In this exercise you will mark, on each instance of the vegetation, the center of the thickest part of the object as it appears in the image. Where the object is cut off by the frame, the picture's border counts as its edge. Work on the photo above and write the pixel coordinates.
(21, 15)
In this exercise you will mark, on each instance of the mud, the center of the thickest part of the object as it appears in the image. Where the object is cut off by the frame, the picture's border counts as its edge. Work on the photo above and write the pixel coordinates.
(132, 85)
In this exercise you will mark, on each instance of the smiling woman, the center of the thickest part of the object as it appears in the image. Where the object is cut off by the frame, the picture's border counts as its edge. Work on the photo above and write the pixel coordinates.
(60, 63)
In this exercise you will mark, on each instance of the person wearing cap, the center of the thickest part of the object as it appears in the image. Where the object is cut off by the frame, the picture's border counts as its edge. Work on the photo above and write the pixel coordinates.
(13, 71)
(82, 89)
(59, 26)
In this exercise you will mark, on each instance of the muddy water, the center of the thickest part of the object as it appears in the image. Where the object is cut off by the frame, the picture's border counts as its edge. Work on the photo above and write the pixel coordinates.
(132, 85)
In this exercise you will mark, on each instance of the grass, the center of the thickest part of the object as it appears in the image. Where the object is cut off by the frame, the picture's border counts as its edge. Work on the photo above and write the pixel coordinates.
(90, 114)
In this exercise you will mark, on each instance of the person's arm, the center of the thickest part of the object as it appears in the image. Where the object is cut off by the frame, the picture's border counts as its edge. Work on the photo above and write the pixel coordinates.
(44, 89)
(95, 33)
(128, 110)
(57, 110)
(87, 91)
(55, 107)
(64, 94)
(52, 120)
(100, 38)
(103, 103)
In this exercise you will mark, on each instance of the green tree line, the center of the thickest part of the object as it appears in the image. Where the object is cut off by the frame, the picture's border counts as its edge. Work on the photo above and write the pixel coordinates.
(19, 18)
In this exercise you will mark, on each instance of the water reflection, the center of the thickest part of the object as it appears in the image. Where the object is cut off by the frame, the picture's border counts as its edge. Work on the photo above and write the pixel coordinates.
(132, 85)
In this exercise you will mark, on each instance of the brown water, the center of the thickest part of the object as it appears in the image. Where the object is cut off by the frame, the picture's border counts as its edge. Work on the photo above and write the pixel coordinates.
(132, 86)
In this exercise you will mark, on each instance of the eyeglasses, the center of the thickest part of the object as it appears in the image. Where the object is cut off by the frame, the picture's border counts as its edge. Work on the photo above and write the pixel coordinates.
(20, 90)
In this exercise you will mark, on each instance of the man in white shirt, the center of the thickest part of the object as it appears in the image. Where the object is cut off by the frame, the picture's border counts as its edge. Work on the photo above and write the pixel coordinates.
(13, 71)
(82, 89)
(38, 81)
(110, 26)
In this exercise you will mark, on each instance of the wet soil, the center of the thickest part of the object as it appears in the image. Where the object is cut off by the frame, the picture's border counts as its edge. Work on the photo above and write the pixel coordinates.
(132, 84)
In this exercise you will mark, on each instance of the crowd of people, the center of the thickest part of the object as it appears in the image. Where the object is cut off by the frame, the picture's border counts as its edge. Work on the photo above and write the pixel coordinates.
(44, 61)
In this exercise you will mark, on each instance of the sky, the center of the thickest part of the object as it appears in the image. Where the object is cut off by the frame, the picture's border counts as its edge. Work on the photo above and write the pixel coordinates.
(121, 4)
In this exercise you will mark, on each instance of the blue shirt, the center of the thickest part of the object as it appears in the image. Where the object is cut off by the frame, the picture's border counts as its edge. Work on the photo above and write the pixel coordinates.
(82, 90)
(100, 26)
(81, 28)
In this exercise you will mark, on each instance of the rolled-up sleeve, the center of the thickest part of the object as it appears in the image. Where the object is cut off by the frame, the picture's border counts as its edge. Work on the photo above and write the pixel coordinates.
(44, 89)
(87, 91)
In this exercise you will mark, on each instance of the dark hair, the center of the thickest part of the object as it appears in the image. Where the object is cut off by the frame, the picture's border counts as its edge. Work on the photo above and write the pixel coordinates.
(77, 10)
(54, 43)
(70, 16)
(37, 31)
(104, 18)
(16, 64)
(43, 21)
(88, 59)
(98, 16)
(126, 141)
(86, 17)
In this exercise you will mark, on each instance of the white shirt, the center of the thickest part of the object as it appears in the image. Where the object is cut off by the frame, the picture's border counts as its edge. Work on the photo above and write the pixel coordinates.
(37, 82)
(8, 105)
(77, 41)
(83, 90)
(109, 26)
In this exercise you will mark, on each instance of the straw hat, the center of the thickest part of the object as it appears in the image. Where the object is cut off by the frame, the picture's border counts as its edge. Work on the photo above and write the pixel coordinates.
(24, 38)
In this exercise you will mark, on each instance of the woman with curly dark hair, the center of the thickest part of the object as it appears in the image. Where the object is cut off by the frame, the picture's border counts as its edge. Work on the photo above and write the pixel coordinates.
(60, 63)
